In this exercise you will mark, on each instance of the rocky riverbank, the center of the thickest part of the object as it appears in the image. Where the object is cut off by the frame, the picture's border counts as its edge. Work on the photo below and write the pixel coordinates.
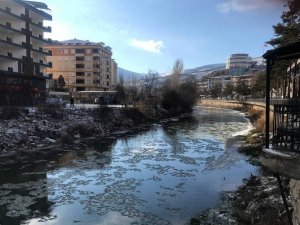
(256, 202)
(31, 129)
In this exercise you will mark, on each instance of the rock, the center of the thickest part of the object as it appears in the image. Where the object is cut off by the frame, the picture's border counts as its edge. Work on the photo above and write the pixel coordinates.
(77, 136)
(49, 140)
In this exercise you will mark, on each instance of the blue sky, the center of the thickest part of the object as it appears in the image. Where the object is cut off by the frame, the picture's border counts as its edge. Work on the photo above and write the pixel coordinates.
(152, 34)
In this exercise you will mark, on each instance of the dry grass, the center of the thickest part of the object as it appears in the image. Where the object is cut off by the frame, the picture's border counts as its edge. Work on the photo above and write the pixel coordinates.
(260, 123)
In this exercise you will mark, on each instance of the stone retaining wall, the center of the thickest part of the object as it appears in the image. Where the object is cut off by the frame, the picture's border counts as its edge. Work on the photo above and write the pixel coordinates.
(295, 197)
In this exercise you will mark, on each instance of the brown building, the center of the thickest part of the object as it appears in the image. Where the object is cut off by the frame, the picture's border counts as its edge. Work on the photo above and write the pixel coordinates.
(84, 65)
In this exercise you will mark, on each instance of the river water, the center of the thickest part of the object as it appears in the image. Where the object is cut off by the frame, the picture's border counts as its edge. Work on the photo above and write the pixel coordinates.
(165, 175)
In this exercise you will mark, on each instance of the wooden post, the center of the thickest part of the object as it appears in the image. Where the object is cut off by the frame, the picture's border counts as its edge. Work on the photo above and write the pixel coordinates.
(268, 84)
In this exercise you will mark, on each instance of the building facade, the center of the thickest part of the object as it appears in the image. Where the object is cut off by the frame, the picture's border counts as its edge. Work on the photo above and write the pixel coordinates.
(239, 61)
(84, 65)
(22, 57)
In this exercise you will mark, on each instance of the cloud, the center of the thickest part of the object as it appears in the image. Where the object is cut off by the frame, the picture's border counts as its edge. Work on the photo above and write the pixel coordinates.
(60, 31)
(149, 45)
(247, 5)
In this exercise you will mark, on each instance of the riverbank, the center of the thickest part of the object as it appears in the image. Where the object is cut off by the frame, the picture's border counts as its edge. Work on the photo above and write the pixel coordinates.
(34, 129)
(258, 200)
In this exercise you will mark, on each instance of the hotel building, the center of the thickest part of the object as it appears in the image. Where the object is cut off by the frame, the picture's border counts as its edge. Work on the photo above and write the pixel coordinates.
(84, 65)
(22, 57)
(239, 61)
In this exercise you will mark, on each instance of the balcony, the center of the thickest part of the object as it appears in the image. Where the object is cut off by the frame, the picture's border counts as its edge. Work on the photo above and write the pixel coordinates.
(41, 50)
(40, 25)
(8, 11)
(42, 39)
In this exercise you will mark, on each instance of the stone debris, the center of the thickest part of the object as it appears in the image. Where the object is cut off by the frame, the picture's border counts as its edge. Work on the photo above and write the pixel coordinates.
(40, 127)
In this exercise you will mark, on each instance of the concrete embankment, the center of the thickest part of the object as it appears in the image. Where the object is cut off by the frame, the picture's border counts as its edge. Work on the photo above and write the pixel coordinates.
(229, 104)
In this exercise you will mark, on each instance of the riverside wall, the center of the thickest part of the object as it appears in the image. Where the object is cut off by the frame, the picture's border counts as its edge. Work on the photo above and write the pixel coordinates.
(228, 104)
(295, 198)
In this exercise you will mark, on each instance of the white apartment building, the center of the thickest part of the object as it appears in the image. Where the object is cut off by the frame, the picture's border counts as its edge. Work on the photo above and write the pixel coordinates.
(239, 61)
(22, 57)
(84, 65)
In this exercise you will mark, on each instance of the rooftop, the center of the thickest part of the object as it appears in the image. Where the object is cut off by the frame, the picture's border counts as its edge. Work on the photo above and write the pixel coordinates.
(77, 42)
(38, 5)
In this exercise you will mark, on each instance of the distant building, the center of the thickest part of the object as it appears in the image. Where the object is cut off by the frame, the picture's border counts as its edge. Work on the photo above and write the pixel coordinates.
(249, 79)
(84, 65)
(259, 61)
(239, 61)
(22, 55)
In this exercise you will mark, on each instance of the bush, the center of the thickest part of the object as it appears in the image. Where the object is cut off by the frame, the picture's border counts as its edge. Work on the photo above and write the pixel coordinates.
(181, 99)
(103, 114)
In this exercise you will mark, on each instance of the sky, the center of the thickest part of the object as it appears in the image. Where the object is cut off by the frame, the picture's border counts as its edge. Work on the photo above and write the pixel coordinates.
(151, 34)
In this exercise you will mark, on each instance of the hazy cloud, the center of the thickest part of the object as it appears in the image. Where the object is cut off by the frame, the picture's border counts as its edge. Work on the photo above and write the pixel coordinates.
(148, 45)
(247, 5)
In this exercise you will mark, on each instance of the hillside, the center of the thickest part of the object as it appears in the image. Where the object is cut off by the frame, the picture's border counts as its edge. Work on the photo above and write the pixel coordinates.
(128, 75)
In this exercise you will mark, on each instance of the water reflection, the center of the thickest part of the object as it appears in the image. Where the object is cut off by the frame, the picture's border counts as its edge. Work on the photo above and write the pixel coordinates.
(162, 176)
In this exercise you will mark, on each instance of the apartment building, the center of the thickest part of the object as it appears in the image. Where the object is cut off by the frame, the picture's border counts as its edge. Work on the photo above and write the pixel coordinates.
(239, 61)
(84, 65)
(22, 57)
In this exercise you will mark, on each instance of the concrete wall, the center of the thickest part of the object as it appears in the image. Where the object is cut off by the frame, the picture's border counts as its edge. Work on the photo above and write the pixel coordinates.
(230, 104)
(295, 197)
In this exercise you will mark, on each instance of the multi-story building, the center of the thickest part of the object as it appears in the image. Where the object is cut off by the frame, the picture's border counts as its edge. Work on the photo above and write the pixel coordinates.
(84, 65)
(22, 57)
(239, 61)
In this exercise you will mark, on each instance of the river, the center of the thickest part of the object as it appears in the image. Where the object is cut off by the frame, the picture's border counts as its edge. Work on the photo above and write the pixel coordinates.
(164, 175)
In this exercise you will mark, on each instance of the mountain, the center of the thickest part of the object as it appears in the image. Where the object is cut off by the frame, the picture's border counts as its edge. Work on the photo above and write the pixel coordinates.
(204, 70)
(198, 72)
(128, 75)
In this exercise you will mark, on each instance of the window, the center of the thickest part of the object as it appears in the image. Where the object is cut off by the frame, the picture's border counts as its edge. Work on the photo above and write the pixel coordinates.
(79, 58)
(80, 74)
(88, 51)
(79, 81)
(66, 51)
(79, 51)
(95, 50)
(59, 51)
(72, 51)
(79, 66)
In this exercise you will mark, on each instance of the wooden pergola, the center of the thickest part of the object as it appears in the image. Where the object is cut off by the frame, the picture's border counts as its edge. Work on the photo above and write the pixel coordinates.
(283, 156)
(286, 123)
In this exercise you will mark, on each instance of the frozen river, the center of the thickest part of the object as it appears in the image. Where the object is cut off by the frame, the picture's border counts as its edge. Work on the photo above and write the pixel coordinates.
(165, 175)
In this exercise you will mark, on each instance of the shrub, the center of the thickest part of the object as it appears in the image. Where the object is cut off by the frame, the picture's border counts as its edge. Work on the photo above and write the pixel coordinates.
(180, 99)
(103, 114)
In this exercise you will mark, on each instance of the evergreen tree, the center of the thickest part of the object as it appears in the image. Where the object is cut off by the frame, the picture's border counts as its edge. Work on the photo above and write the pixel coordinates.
(288, 31)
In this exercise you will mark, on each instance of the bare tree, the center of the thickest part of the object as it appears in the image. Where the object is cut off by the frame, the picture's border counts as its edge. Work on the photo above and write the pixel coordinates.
(150, 83)
(176, 72)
